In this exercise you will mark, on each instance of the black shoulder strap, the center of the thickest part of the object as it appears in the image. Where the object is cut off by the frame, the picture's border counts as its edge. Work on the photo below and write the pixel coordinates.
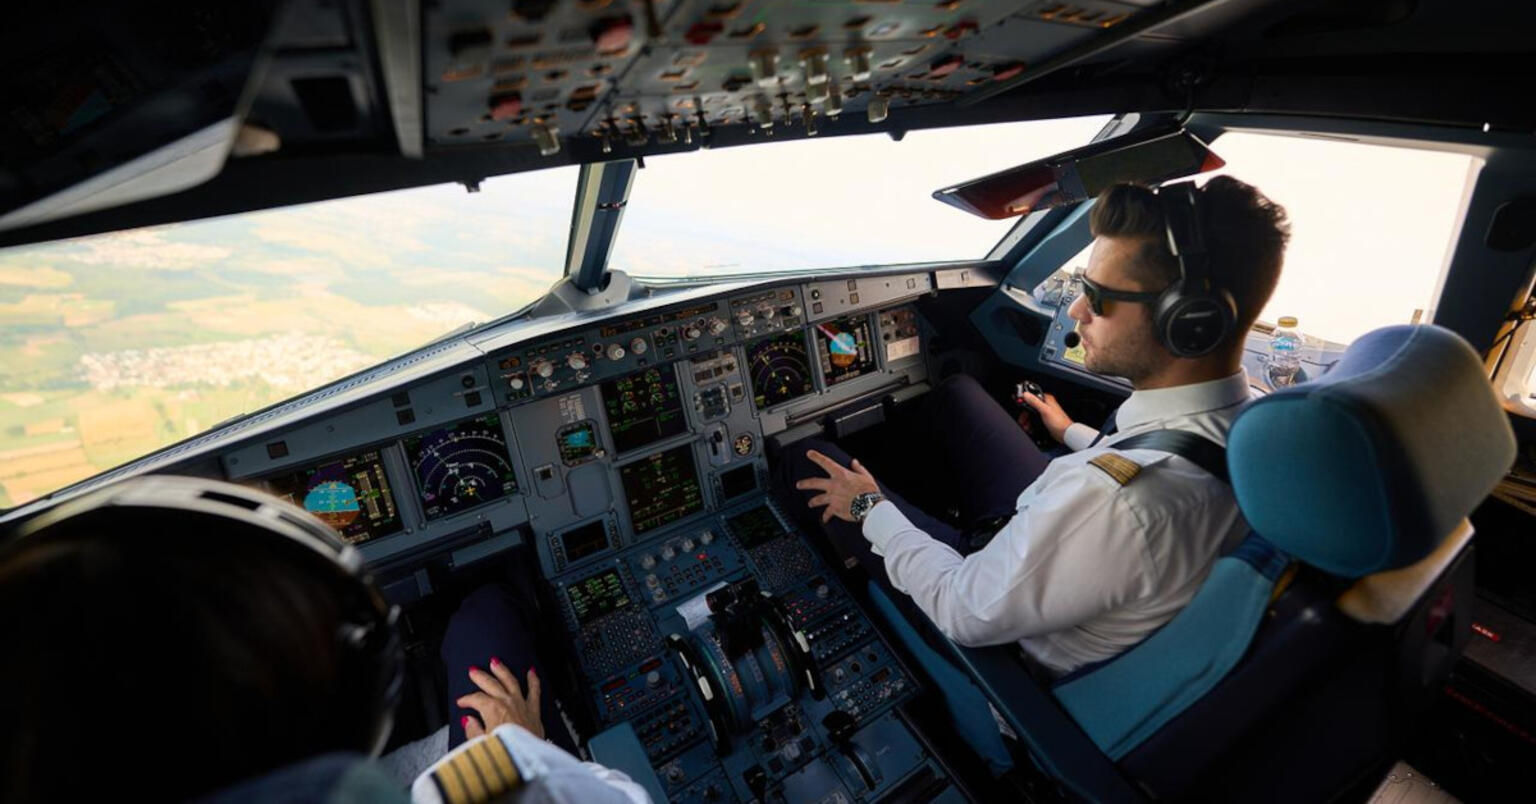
(1197, 449)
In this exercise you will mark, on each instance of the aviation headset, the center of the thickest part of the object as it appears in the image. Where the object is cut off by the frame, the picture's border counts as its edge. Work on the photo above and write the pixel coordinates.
(1194, 314)
(368, 641)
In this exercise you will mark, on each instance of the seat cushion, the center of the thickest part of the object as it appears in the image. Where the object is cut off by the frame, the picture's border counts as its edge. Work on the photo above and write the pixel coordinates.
(1368, 467)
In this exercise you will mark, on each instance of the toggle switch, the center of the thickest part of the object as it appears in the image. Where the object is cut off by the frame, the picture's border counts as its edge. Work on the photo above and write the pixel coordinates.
(857, 60)
(764, 64)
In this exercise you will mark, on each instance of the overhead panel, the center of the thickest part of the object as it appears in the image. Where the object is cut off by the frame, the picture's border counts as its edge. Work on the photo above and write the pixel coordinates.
(632, 74)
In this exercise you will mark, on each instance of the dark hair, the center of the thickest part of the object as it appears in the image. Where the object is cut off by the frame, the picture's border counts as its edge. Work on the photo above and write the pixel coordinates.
(1245, 233)
(171, 655)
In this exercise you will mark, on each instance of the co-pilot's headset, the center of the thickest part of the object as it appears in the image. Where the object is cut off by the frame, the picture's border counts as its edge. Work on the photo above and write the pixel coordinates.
(1195, 314)
(368, 641)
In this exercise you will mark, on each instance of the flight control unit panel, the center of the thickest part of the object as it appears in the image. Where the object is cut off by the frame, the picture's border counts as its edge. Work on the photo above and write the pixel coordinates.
(630, 453)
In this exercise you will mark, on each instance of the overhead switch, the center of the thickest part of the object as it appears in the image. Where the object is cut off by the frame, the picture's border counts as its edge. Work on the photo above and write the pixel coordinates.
(548, 139)
(612, 35)
(765, 67)
(879, 108)
(857, 60)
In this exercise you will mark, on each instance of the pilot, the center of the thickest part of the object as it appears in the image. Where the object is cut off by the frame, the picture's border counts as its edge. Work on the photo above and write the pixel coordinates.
(177, 638)
(1101, 546)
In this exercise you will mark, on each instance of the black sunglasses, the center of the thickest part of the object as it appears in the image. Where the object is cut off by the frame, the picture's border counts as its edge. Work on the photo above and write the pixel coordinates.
(1097, 294)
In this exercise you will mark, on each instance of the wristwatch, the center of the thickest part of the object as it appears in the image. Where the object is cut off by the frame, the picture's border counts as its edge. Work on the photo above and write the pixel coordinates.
(864, 503)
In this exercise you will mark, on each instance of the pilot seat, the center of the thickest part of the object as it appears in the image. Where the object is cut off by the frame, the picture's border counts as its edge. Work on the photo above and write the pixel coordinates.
(1302, 662)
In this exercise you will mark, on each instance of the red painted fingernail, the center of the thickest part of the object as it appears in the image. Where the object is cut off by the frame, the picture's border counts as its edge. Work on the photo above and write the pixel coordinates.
(475, 669)
(533, 671)
(465, 722)
(495, 662)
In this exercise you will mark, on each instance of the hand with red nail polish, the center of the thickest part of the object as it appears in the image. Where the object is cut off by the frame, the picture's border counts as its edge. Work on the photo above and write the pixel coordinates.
(501, 700)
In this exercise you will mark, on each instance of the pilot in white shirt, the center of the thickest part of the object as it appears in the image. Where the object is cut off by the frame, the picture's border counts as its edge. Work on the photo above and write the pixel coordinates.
(1101, 546)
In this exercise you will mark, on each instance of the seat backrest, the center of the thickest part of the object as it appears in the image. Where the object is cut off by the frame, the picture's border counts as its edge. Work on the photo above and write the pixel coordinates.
(1363, 471)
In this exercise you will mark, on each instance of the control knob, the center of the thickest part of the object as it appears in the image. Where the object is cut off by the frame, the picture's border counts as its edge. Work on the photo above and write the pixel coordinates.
(691, 333)
(687, 544)
(707, 537)
(638, 346)
(576, 360)
(652, 581)
(543, 368)
(792, 310)
(615, 351)
(716, 325)
(745, 318)
(647, 561)
(667, 553)
(766, 311)
(517, 382)
(653, 679)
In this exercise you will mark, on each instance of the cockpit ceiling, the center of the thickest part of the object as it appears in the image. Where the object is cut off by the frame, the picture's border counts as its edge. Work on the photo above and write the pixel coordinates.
(358, 96)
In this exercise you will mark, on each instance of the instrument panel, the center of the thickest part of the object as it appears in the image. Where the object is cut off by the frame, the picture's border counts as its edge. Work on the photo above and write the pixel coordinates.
(630, 453)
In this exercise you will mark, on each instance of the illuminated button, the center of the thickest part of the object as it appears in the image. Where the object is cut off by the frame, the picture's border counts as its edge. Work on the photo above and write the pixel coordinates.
(576, 360)
(638, 346)
(615, 351)
(647, 561)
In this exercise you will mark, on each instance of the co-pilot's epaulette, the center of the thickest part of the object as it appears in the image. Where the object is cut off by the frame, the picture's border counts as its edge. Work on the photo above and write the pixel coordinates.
(1120, 468)
(479, 771)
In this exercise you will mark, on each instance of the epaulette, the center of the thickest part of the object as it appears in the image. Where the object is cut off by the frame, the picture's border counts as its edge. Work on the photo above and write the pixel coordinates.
(477, 772)
(1122, 469)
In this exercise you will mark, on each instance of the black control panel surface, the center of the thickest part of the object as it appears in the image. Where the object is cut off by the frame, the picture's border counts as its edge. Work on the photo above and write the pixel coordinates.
(772, 693)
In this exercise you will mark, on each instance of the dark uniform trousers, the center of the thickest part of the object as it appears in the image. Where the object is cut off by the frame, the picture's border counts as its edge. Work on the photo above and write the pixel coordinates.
(976, 454)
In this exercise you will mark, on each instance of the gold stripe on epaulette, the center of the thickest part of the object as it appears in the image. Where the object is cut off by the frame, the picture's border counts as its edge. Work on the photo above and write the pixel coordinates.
(1117, 466)
(477, 774)
(451, 784)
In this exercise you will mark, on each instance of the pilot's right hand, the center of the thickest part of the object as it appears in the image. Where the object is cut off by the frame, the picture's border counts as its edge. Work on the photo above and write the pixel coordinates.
(501, 700)
(1055, 419)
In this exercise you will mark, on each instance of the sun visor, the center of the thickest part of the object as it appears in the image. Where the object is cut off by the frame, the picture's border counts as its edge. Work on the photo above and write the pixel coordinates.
(1148, 157)
(113, 103)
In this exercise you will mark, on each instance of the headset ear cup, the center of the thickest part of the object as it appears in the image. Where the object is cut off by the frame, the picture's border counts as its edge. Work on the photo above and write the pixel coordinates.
(1193, 324)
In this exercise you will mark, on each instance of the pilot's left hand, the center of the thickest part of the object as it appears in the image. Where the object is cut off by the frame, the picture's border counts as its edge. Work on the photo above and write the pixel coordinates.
(838, 488)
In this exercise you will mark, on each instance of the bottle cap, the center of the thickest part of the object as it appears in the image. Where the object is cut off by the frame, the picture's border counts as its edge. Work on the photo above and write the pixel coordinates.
(1288, 321)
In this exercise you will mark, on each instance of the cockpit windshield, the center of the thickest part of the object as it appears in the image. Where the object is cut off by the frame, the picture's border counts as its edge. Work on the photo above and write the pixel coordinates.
(814, 204)
(115, 345)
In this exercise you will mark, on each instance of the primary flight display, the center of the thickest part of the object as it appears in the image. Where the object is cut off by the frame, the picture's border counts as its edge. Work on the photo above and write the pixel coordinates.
(350, 493)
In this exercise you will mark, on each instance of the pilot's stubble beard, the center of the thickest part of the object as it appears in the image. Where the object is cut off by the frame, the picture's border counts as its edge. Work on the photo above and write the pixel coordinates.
(1133, 356)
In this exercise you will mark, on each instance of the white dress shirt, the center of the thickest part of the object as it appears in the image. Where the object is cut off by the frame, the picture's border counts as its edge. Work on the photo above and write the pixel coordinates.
(1086, 567)
(547, 775)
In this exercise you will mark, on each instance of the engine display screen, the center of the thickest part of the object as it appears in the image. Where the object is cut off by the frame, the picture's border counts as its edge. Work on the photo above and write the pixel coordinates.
(662, 488)
(461, 466)
(755, 527)
(845, 348)
(585, 541)
(643, 408)
(779, 368)
(350, 493)
(595, 596)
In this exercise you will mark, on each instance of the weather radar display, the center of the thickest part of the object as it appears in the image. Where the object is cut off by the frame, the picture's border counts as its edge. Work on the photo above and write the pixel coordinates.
(350, 493)
(461, 466)
(780, 369)
(845, 348)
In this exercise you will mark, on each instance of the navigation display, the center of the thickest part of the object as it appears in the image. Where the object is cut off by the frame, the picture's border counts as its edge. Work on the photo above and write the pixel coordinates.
(461, 466)
(755, 527)
(779, 368)
(662, 488)
(845, 348)
(595, 596)
(643, 408)
(350, 493)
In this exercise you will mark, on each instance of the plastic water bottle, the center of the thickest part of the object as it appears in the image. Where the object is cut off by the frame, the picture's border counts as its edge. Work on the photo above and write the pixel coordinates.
(1284, 353)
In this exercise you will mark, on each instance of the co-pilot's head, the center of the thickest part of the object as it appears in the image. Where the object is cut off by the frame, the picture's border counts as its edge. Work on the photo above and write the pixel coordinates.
(1131, 265)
